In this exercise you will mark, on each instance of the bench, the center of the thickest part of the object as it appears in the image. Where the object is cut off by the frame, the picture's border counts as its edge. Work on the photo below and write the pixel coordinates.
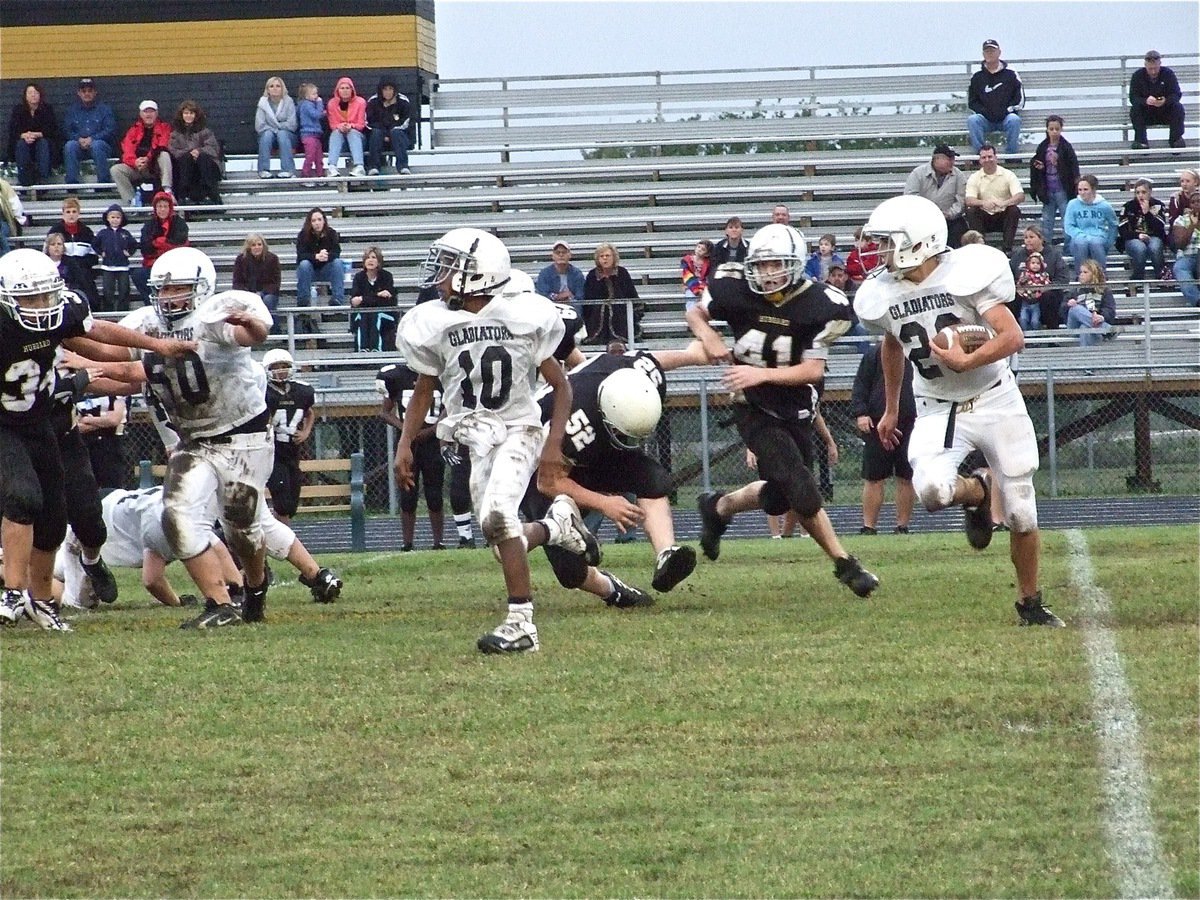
(329, 494)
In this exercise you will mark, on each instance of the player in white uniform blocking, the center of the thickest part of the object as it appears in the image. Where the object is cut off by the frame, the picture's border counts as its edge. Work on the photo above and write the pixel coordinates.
(487, 348)
(965, 401)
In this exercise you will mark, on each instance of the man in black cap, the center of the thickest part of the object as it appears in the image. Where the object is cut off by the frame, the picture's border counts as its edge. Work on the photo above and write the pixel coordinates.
(938, 180)
(995, 99)
(1154, 99)
(91, 130)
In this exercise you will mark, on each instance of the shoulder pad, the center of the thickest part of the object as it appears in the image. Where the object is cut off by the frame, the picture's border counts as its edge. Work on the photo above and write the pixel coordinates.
(871, 298)
(973, 267)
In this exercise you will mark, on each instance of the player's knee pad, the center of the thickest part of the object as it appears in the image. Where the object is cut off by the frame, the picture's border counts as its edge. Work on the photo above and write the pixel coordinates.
(569, 568)
(187, 538)
(88, 524)
(934, 489)
(803, 494)
(277, 537)
(49, 529)
(1020, 504)
(773, 499)
(433, 497)
(408, 500)
(22, 501)
(500, 525)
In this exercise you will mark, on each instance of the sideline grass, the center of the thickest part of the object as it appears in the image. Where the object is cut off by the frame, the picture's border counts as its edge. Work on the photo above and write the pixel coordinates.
(759, 732)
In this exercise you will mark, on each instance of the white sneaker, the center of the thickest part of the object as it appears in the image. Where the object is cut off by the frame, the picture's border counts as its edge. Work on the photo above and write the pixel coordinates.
(405, 171)
(44, 615)
(373, 171)
(264, 174)
(286, 175)
(565, 525)
(511, 637)
(12, 607)
(358, 172)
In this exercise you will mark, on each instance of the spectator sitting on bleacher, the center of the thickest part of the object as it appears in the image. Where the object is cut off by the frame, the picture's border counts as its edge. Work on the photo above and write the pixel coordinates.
(91, 130)
(33, 136)
(276, 123)
(347, 114)
(942, 182)
(70, 268)
(610, 282)
(1142, 231)
(694, 268)
(781, 215)
(1031, 285)
(1034, 241)
(995, 98)
(196, 155)
(730, 248)
(144, 155)
(1189, 182)
(1155, 99)
(257, 270)
(839, 279)
(863, 258)
(817, 267)
(561, 281)
(12, 215)
(1185, 232)
(114, 246)
(993, 198)
(163, 231)
(388, 117)
(1090, 224)
(1092, 308)
(310, 111)
(1052, 171)
(373, 289)
(318, 258)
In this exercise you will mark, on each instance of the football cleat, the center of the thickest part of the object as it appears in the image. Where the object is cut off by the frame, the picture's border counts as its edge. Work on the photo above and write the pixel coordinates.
(101, 577)
(672, 566)
(566, 529)
(511, 637)
(324, 586)
(712, 526)
(849, 571)
(44, 614)
(1032, 612)
(214, 615)
(12, 607)
(977, 520)
(466, 543)
(625, 595)
(254, 606)
(193, 600)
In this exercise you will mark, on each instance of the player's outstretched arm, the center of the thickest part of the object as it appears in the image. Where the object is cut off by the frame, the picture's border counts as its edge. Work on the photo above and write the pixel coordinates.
(248, 330)
(714, 346)
(810, 371)
(111, 333)
(692, 355)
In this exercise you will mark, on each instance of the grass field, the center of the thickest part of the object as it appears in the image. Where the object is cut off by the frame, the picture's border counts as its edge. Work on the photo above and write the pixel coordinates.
(759, 732)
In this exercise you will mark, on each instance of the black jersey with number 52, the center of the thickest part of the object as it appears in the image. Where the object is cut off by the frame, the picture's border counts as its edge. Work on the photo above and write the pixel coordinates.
(27, 382)
(802, 327)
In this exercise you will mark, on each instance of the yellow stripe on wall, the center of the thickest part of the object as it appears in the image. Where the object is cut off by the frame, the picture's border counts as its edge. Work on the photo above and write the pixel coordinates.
(244, 45)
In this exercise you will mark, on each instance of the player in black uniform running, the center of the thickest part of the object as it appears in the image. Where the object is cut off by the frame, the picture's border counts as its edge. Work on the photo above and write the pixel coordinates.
(290, 407)
(783, 326)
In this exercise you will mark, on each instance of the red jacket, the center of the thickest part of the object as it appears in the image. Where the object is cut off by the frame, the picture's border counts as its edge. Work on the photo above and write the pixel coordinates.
(161, 235)
(158, 141)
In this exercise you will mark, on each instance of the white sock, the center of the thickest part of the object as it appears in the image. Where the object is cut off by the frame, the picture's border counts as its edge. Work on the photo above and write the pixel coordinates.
(83, 555)
(463, 524)
(520, 612)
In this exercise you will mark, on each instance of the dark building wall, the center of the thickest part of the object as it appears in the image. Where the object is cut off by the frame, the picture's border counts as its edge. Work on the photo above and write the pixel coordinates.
(219, 54)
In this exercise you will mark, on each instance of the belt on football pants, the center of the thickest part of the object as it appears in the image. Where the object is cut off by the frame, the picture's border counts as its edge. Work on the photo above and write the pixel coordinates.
(258, 423)
(966, 404)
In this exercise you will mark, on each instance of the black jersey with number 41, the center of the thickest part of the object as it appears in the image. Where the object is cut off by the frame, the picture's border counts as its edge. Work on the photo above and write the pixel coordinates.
(587, 441)
(286, 409)
(768, 335)
(28, 379)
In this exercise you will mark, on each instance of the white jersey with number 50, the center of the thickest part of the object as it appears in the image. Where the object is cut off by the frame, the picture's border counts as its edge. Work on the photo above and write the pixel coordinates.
(216, 387)
(966, 283)
(487, 360)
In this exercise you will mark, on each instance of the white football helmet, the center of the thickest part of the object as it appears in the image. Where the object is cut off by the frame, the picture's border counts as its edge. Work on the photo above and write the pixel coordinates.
(630, 406)
(279, 365)
(475, 262)
(519, 283)
(181, 266)
(909, 230)
(775, 259)
(31, 290)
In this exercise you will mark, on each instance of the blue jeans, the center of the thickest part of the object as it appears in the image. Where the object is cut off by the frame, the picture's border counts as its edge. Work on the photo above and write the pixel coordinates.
(30, 155)
(333, 271)
(1079, 317)
(1186, 274)
(336, 140)
(400, 145)
(1088, 247)
(978, 127)
(5, 234)
(1138, 250)
(1052, 207)
(1031, 315)
(287, 149)
(99, 152)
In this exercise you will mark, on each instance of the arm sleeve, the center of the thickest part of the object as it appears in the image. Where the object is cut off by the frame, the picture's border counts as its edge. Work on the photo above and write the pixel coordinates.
(1018, 96)
(273, 277)
(1172, 85)
(973, 103)
(260, 117)
(107, 129)
(239, 273)
(286, 114)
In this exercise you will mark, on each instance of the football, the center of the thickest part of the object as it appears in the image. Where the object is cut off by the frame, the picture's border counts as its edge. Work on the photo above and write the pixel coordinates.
(970, 337)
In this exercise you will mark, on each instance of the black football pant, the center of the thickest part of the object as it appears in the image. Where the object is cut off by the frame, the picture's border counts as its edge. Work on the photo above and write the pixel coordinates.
(31, 482)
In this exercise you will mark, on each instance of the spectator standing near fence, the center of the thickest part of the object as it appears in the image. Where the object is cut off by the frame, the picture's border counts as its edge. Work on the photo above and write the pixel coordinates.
(373, 295)
(1142, 231)
(90, 127)
(388, 117)
(995, 98)
(1052, 171)
(867, 406)
(145, 158)
(33, 136)
(730, 248)
(347, 114)
(1155, 99)
(941, 181)
(257, 270)
(276, 123)
(994, 196)
(1185, 232)
(694, 269)
(1090, 224)
(114, 246)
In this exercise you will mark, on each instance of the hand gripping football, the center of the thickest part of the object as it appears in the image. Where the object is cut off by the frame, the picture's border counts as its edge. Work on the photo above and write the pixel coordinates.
(969, 337)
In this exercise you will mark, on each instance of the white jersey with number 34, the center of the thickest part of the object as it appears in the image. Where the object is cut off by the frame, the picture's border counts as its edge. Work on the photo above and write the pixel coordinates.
(966, 283)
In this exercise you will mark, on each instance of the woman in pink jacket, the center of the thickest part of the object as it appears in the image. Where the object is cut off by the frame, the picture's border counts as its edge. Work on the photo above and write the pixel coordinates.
(347, 125)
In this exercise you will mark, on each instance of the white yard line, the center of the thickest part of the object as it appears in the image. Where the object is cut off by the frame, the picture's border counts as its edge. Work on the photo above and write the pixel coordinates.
(1132, 840)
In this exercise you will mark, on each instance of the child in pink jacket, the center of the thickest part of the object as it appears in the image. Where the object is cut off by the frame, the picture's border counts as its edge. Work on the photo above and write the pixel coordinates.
(347, 114)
